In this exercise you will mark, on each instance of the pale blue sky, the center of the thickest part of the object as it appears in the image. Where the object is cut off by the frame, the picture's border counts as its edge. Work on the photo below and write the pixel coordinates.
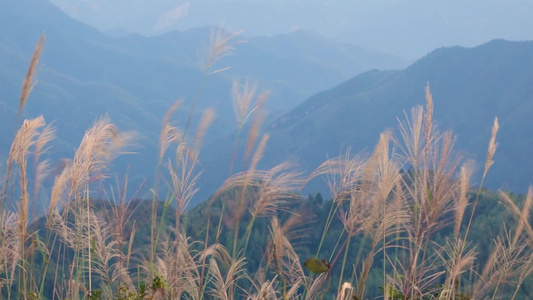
(405, 28)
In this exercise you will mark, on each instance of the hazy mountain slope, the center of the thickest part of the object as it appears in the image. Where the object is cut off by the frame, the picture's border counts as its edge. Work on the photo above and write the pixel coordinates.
(323, 61)
(312, 47)
(85, 74)
(470, 87)
(292, 66)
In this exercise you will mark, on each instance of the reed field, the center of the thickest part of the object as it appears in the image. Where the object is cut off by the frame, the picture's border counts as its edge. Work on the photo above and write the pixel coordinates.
(400, 223)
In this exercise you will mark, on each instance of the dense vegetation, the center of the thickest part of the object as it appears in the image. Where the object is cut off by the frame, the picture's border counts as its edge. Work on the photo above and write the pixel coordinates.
(403, 221)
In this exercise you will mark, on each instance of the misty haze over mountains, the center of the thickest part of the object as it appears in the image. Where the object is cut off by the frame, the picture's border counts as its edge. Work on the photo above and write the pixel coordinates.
(85, 73)
(406, 28)
(469, 86)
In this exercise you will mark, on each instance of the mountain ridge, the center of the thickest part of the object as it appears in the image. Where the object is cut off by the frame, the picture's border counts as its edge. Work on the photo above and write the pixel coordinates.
(84, 74)
(470, 86)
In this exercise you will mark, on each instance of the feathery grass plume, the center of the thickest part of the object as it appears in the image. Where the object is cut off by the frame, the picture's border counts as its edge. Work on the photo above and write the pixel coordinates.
(370, 194)
(59, 188)
(242, 98)
(119, 215)
(71, 230)
(456, 262)
(262, 193)
(237, 208)
(273, 188)
(221, 44)
(108, 257)
(46, 135)
(392, 219)
(317, 287)
(292, 293)
(428, 276)
(224, 285)
(24, 140)
(184, 181)
(346, 292)
(66, 231)
(42, 170)
(10, 248)
(169, 133)
(521, 215)
(387, 170)
(441, 186)
(503, 266)
(462, 199)
(524, 215)
(100, 144)
(258, 154)
(178, 264)
(527, 269)
(282, 258)
(374, 209)
(276, 187)
(265, 291)
(256, 124)
(429, 189)
(488, 163)
(344, 173)
(492, 147)
(429, 117)
(104, 249)
(410, 131)
(29, 81)
(208, 116)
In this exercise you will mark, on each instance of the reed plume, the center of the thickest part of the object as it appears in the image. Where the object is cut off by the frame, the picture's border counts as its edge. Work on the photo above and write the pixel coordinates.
(30, 82)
